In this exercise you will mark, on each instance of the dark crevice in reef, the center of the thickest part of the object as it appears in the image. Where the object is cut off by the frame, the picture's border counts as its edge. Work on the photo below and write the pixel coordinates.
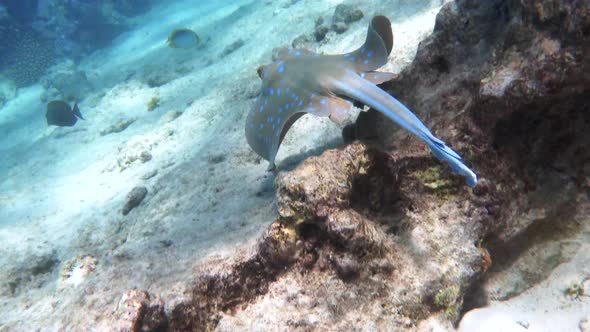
(375, 191)
(546, 141)
(547, 134)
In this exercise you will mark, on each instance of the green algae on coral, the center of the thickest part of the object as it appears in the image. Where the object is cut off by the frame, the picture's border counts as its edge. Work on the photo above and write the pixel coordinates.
(441, 184)
(448, 299)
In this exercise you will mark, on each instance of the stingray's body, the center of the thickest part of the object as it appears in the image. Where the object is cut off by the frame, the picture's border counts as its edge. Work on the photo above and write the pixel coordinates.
(301, 82)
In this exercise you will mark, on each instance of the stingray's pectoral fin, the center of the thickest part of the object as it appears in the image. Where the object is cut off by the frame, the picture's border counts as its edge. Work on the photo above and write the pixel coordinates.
(374, 52)
(339, 109)
(445, 153)
(336, 108)
(286, 53)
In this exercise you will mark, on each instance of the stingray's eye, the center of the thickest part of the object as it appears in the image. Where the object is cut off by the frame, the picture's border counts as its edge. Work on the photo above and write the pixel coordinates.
(260, 71)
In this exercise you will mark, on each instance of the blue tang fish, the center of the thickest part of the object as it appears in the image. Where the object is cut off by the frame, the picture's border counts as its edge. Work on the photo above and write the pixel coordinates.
(59, 113)
(301, 82)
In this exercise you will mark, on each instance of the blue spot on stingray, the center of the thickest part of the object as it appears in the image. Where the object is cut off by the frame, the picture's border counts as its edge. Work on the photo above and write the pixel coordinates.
(278, 120)
(366, 62)
(261, 126)
(352, 58)
(271, 91)
(296, 97)
(312, 109)
(265, 101)
(323, 102)
(273, 126)
(281, 68)
(370, 54)
(297, 53)
(346, 55)
(286, 106)
(292, 104)
(261, 108)
(300, 102)
(278, 91)
(280, 110)
(278, 133)
(362, 75)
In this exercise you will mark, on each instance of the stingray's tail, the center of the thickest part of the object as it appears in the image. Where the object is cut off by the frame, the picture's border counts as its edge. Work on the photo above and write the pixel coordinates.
(445, 153)
(355, 87)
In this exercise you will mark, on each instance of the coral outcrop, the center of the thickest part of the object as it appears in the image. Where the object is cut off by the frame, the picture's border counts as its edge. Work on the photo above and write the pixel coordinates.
(138, 311)
(134, 198)
(344, 15)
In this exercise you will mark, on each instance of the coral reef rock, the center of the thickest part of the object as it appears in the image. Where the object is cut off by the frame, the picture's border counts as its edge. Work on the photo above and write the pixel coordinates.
(137, 311)
(75, 271)
(136, 149)
(380, 235)
(118, 127)
(134, 198)
(343, 16)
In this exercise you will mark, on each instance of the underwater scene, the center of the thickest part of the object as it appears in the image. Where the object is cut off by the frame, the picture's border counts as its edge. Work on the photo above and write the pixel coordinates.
(294, 165)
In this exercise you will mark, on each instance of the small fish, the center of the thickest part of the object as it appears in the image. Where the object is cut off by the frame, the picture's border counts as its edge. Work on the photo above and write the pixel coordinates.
(59, 113)
(183, 38)
(302, 81)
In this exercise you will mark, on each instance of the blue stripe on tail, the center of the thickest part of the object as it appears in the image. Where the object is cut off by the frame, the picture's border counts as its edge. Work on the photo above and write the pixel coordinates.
(444, 153)
(366, 92)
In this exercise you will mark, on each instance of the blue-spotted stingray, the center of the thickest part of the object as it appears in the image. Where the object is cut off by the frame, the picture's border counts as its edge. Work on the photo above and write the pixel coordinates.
(301, 81)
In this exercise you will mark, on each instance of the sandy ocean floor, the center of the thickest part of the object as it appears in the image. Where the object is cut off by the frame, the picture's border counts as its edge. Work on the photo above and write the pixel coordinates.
(67, 251)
